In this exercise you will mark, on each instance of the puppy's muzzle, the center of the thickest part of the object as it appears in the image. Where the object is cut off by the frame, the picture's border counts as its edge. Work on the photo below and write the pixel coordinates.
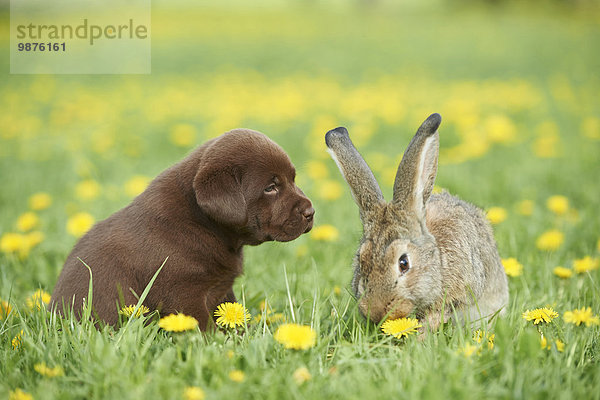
(308, 214)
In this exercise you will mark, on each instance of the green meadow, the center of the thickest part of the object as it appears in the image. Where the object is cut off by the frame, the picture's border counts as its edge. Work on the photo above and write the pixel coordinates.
(517, 87)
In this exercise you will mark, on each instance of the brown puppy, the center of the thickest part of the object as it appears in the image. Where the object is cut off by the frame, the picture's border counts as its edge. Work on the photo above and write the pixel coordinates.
(235, 190)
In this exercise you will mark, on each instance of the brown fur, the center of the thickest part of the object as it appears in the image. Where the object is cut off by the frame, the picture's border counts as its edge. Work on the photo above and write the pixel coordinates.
(199, 213)
(448, 244)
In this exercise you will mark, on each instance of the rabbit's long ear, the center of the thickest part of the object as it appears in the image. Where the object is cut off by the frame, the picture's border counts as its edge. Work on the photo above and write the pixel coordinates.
(364, 187)
(417, 170)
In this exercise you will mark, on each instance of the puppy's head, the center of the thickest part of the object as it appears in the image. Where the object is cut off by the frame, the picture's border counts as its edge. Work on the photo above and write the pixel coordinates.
(246, 182)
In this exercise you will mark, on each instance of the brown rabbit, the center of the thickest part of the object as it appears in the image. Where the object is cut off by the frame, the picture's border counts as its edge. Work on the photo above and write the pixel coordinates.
(420, 253)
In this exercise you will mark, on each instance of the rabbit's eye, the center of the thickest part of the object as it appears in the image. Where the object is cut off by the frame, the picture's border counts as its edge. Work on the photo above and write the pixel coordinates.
(403, 263)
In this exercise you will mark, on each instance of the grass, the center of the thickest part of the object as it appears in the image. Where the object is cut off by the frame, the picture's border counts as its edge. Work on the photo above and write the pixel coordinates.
(518, 93)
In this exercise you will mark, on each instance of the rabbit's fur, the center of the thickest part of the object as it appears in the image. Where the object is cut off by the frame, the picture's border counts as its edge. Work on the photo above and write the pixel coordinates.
(448, 245)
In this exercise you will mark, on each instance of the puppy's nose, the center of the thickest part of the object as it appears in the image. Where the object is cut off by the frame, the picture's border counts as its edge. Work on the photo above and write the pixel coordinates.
(308, 213)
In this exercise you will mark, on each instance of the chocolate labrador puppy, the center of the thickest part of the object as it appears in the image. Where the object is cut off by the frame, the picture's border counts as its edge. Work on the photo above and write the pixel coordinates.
(237, 189)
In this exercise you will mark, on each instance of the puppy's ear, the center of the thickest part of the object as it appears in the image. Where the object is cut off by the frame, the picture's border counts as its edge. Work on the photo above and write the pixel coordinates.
(219, 194)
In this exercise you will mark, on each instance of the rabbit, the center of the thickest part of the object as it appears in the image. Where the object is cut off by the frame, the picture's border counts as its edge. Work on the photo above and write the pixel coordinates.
(433, 255)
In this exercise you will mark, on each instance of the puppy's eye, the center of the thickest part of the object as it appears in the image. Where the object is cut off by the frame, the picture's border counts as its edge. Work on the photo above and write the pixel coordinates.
(272, 188)
(403, 264)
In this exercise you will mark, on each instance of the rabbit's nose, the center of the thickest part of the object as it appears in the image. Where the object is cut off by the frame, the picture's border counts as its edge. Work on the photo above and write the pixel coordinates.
(395, 313)
(399, 309)
(375, 314)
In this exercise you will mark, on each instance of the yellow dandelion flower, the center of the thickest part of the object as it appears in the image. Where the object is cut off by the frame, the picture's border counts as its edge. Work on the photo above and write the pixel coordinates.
(87, 190)
(538, 315)
(20, 243)
(12, 242)
(136, 185)
(562, 272)
(478, 337)
(193, 393)
(48, 372)
(40, 201)
(472, 146)
(590, 127)
(317, 170)
(496, 215)
(400, 327)
(468, 350)
(294, 336)
(329, 190)
(79, 224)
(270, 318)
(550, 240)
(231, 314)
(525, 207)
(544, 343)
(512, 267)
(128, 311)
(301, 375)
(17, 340)
(327, 233)
(275, 318)
(337, 290)
(585, 264)
(38, 299)
(500, 129)
(178, 323)
(183, 135)
(27, 221)
(580, 316)
(237, 376)
(560, 346)
(5, 309)
(19, 394)
(490, 342)
(559, 205)
(34, 238)
(546, 146)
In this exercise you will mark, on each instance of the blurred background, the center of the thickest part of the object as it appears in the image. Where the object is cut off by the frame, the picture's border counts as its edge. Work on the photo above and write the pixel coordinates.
(516, 83)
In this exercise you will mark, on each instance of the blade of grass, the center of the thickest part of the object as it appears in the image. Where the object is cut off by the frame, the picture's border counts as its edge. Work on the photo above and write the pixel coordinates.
(287, 286)
(141, 300)
(85, 316)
